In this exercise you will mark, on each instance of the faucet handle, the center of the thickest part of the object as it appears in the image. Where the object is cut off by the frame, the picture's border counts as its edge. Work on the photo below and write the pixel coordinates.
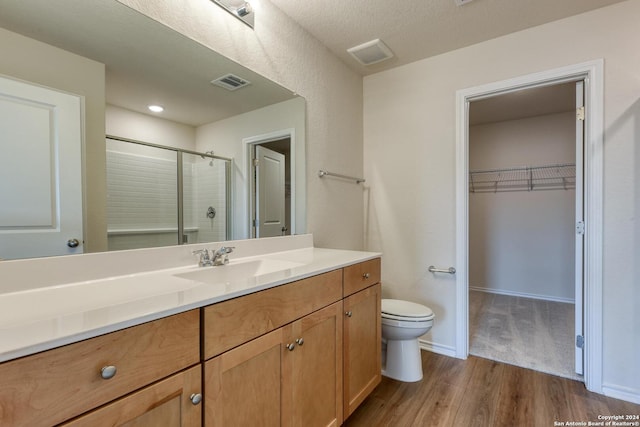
(220, 257)
(204, 253)
(205, 257)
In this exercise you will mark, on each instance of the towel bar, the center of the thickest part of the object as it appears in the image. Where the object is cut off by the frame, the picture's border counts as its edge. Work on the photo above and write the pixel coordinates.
(449, 270)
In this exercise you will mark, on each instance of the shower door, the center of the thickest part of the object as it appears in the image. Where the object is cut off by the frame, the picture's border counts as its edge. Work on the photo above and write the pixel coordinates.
(163, 196)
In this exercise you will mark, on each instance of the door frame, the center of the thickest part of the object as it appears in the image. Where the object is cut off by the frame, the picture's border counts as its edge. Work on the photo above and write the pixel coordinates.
(592, 72)
(251, 142)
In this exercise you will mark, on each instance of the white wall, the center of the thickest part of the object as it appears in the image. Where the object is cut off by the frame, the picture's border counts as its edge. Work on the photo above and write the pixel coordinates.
(281, 50)
(128, 124)
(225, 138)
(523, 242)
(409, 154)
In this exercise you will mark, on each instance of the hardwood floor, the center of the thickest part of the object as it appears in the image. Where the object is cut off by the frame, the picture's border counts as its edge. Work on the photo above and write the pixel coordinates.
(480, 392)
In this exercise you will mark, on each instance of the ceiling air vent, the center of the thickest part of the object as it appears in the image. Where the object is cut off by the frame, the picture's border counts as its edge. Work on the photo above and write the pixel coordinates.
(230, 82)
(371, 52)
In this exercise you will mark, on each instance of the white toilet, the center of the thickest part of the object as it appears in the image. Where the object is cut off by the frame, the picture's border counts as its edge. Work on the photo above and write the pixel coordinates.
(402, 323)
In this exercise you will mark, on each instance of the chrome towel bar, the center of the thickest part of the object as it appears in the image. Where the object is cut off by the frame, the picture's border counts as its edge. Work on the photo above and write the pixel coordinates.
(449, 270)
(322, 173)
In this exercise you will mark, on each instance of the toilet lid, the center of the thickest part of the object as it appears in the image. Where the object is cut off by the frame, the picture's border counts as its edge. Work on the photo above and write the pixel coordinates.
(395, 308)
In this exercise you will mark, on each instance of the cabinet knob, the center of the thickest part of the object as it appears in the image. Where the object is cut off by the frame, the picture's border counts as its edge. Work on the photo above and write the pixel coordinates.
(291, 347)
(300, 341)
(366, 275)
(108, 372)
(195, 398)
(348, 313)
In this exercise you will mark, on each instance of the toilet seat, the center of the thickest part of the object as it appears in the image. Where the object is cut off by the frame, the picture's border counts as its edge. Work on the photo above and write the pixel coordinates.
(405, 311)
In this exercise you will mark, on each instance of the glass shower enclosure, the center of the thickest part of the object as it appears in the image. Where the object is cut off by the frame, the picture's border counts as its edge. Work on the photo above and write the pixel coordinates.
(162, 196)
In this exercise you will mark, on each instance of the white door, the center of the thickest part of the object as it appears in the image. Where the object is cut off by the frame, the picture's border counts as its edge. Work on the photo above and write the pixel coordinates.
(40, 171)
(270, 191)
(579, 254)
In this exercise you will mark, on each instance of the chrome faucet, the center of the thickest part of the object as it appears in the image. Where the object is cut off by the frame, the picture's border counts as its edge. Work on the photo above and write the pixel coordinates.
(205, 257)
(221, 256)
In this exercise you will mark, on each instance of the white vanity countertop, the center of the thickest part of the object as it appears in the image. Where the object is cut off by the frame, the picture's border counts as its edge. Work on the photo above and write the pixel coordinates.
(51, 316)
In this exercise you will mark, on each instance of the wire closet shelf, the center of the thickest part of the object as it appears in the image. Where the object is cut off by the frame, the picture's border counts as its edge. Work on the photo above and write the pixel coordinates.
(529, 178)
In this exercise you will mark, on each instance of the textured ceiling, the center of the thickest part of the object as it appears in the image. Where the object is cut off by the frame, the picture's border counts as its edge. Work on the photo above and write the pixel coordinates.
(417, 29)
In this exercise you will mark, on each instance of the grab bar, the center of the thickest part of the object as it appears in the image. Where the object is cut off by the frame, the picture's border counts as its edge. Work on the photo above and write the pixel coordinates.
(449, 270)
(322, 173)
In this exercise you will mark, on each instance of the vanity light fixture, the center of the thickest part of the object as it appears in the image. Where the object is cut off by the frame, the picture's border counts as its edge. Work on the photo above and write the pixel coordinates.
(241, 9)
(156, 108)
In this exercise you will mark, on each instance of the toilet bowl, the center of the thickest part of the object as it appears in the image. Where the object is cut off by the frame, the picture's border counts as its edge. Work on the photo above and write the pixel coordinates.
(402, 323)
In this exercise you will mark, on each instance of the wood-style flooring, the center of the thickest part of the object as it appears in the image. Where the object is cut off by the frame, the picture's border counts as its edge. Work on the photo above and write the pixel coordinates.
(480, 392)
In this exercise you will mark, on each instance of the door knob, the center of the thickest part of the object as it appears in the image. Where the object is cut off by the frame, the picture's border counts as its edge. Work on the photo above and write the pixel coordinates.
(73, 243)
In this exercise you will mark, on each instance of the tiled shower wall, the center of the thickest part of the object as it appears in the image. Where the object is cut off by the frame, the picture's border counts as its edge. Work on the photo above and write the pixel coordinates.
(142, 201)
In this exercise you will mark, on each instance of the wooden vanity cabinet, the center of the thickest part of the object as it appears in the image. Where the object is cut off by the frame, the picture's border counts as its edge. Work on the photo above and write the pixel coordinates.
(172, 402)
(289, 377)
(362, 352)
(54, 386)
(312, 370)
(305, 353)
(362, 332)
(291, 374)
(301, 354)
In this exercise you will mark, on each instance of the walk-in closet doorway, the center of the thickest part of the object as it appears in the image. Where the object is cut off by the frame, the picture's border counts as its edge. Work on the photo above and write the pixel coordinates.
(524, 157)
(587, 229)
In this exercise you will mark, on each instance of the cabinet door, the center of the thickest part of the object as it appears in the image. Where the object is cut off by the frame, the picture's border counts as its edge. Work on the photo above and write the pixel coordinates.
(312, 369)
(362, 335)
(172, 402)
(242, 386)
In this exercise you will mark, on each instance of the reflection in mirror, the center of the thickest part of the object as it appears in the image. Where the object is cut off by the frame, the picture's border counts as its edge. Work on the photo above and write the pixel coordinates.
(116, 62)
(159, 196)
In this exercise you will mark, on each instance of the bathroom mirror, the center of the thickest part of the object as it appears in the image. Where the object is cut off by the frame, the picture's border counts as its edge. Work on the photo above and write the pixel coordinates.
(117, 62)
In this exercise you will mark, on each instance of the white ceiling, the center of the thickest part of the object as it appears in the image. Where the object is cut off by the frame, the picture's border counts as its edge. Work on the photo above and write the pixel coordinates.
(138, 73)
(417, 29)
(146, 62)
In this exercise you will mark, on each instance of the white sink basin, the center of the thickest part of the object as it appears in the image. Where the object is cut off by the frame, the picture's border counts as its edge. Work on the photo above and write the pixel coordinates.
(238, 270)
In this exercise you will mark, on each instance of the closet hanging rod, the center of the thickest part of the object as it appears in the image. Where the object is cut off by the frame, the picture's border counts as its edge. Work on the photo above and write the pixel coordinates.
(322, 173)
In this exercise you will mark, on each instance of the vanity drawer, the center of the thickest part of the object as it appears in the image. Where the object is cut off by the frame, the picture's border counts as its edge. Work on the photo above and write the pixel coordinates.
(53, 386)
(234, 322)
(360, 276)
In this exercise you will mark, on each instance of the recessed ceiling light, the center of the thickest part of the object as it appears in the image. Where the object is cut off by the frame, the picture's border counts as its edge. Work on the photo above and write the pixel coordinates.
(156, 108)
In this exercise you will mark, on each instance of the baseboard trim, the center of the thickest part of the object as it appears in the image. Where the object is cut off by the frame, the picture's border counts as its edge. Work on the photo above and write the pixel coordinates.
(522, 294)
(445, 350)
(622, 393)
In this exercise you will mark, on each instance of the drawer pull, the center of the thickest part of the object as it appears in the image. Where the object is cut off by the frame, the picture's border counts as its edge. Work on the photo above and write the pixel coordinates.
(195, 398)
(348, 313)
(291, 347)
(366, 275)
(299, 341)
(108, 372)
